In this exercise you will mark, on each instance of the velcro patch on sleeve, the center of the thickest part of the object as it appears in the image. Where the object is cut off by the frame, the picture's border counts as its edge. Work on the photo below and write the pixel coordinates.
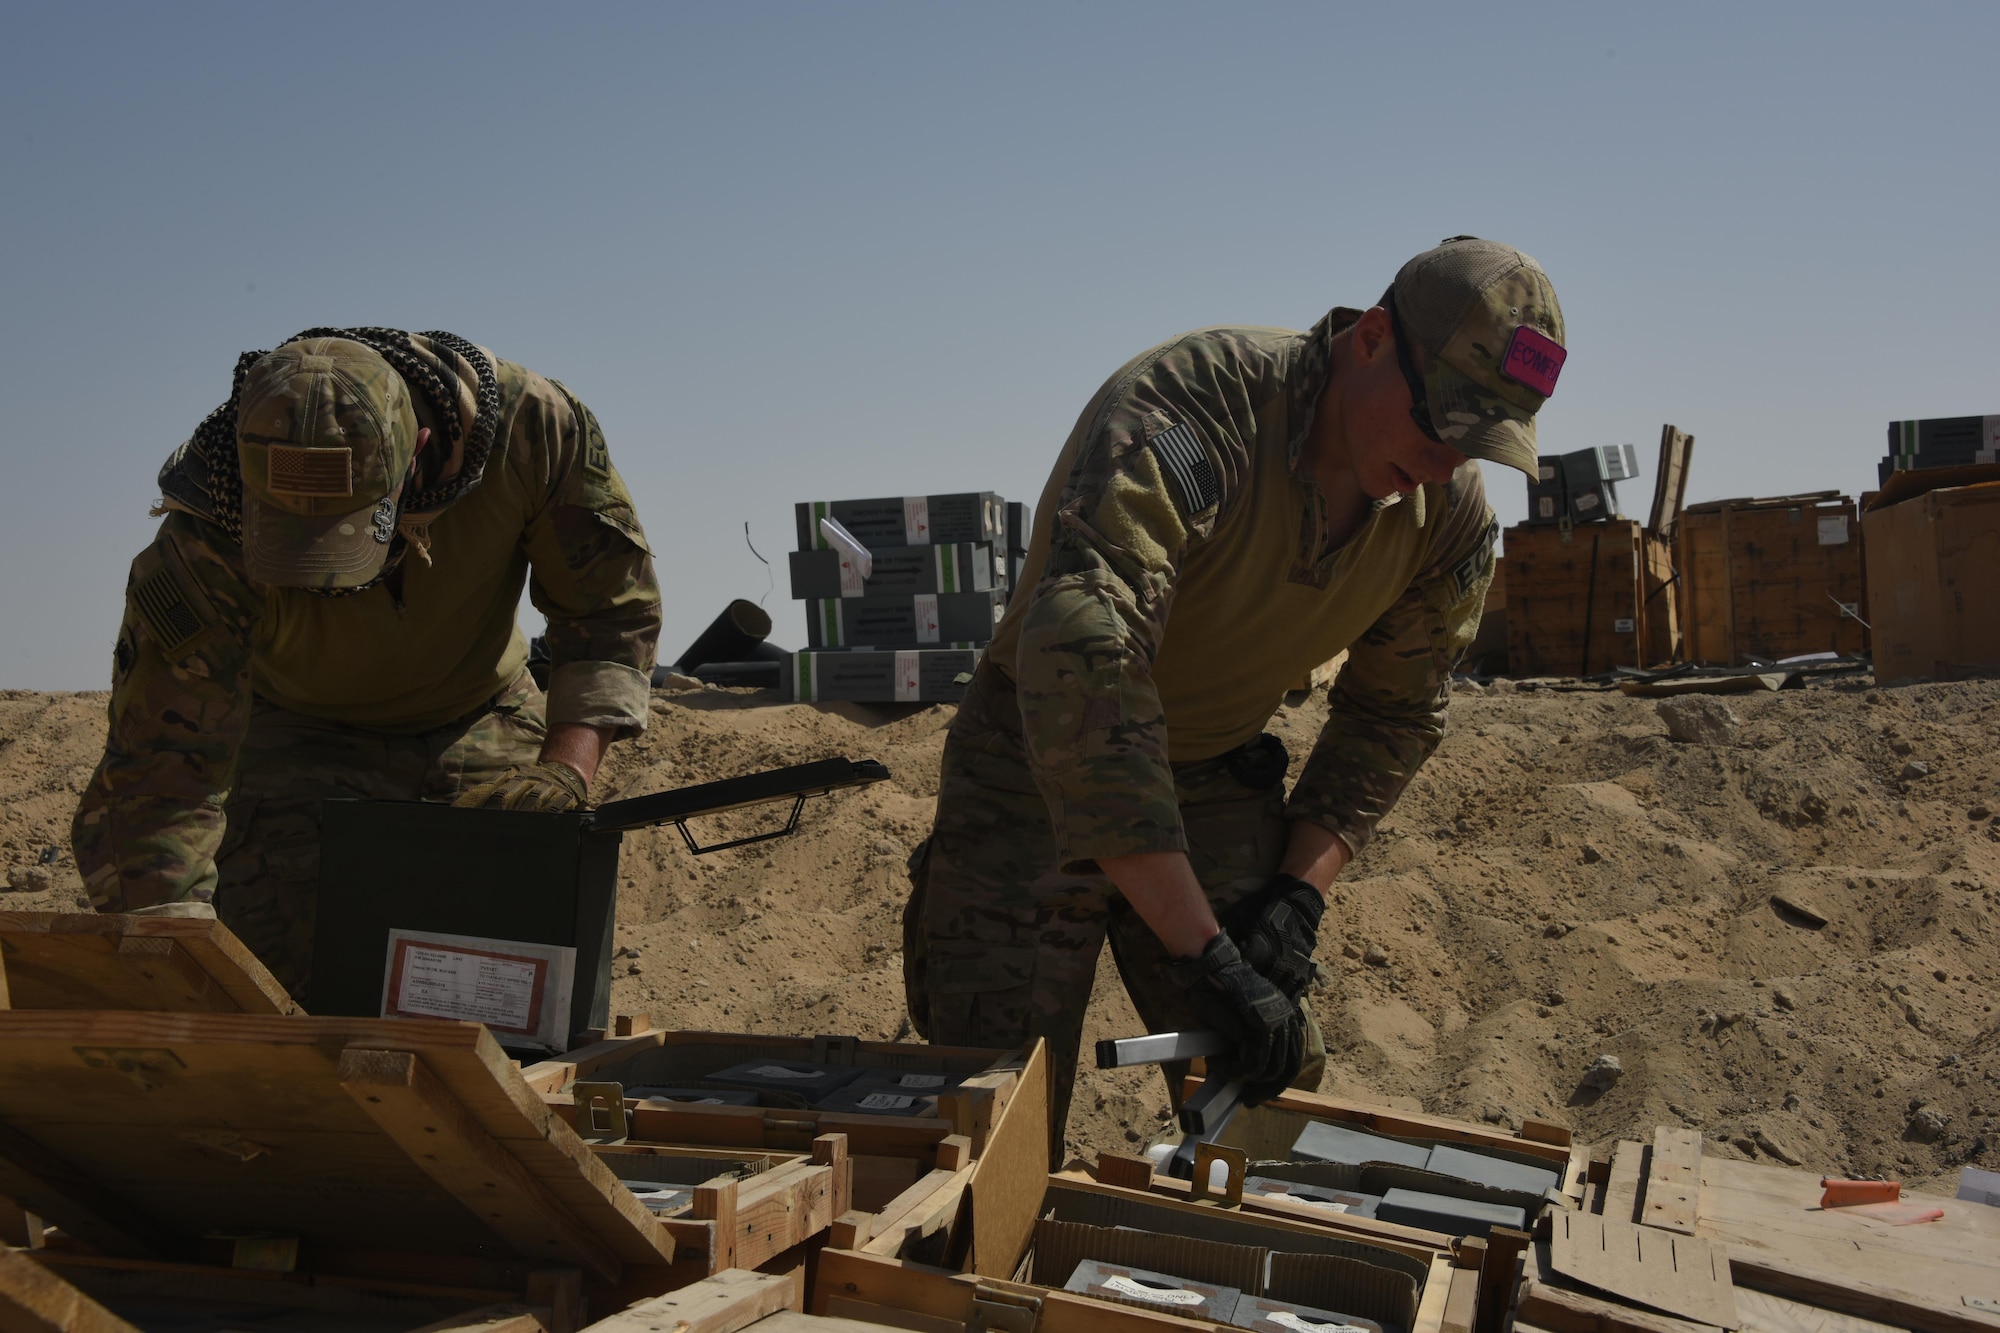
(1184, 461)
(167, 612)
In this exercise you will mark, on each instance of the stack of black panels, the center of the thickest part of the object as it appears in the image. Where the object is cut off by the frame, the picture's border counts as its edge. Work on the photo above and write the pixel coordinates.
(1940, 442)
(911, 630)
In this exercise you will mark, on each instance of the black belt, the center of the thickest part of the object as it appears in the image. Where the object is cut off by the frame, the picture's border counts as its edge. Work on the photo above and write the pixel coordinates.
(1259, 763)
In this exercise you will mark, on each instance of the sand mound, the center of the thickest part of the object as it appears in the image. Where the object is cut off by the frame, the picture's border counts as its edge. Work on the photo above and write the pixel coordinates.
(1563, 882)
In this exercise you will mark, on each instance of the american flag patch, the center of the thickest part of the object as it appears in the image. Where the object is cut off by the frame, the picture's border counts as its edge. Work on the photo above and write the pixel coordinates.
(310, 473)
(1183, 459)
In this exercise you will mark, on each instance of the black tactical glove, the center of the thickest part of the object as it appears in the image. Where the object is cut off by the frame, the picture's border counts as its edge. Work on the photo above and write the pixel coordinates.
(547, 786)
(1277, 928)
(1236, 1000)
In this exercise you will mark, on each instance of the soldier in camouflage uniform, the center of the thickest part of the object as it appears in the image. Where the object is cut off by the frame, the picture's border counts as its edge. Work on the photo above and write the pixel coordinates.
(328, 610)
(1233, 508)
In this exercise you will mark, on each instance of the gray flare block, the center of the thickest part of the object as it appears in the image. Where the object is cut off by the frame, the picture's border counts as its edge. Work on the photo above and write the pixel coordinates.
(907, 520)
(1269, 1316)
(902, 572)
(1494, 1171)
(870, 1096)
(903, 675)
(800, 1078)
(1321, 1142)
(1161, 1291)
(1454, 1217)
(901, 622)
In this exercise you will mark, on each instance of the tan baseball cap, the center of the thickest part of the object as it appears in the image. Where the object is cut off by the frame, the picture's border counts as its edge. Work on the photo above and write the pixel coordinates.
(325, 431)
(1491, 330)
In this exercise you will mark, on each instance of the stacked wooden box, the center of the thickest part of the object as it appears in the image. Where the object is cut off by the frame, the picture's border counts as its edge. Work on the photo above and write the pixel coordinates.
(1583, 598)
(1772, 578)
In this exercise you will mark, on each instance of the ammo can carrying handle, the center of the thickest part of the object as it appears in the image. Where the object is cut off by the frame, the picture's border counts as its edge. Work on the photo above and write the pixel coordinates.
(795, 783)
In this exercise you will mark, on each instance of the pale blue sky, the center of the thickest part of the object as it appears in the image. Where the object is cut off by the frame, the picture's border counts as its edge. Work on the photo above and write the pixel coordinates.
(813, 251)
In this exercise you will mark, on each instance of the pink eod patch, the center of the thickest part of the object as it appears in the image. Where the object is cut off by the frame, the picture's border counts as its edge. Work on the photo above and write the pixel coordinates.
(1534, 359)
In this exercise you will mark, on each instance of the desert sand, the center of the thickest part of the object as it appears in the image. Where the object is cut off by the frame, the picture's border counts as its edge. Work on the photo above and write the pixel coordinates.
(1562, 882)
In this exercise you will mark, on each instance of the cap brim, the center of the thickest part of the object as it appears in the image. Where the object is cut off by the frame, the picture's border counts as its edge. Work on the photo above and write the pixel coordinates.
(1479, 423)
(310, 550)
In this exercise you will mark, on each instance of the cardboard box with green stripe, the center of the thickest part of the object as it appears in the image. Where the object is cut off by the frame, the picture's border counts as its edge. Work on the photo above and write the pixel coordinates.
(926, 619)
(903, 675)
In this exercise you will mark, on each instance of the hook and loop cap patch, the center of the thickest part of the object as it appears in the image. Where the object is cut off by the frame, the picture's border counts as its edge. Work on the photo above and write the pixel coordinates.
(311, 473)
(1534, 359)
(1184, 460)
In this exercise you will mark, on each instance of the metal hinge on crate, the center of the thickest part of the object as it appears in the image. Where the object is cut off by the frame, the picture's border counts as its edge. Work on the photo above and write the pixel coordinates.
(1004, 1311)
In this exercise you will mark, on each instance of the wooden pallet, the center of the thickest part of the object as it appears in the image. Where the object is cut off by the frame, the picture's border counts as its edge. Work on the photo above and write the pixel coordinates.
(1768, 578)
(83, 960)
(1791, 1266)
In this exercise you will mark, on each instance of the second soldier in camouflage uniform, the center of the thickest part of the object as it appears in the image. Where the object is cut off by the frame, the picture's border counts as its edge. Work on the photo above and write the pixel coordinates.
(328, 610)
(1233, 508)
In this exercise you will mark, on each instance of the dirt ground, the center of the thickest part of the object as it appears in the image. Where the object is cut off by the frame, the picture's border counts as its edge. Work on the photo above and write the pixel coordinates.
(1562, 882)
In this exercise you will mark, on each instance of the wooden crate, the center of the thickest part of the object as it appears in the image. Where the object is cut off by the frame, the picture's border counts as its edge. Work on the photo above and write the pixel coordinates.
(874, 1287)
(1674, 1239)
(1768, 578)
(1576, 599)
(84, 960)
(1267, 1131)
(895, 1161)
(302, 1161)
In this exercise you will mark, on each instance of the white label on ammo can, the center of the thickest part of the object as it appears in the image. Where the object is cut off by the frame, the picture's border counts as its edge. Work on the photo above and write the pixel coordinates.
(886, 1101)
(1833, 530)
(927, 617)
(917, 520)
(906, 676)
(1623, 625)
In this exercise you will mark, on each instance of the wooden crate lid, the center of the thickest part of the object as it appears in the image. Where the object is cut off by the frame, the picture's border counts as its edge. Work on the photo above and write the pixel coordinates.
(145, 1133)
(83, 960)
(1806, 500)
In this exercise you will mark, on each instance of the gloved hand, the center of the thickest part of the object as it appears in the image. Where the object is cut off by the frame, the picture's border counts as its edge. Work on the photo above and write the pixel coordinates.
(1277, 928)
(1236, 1000)
(548, 786)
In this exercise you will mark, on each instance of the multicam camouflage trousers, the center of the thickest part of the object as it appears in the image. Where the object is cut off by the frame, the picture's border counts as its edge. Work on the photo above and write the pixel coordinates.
(267, 871)
(1000, 947)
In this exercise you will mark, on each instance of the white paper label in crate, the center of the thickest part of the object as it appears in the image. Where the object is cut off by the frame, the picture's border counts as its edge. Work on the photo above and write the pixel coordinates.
(1545, 506)
(1588, 500)
(1623, 625)
(927, 617)
(1833, 530)
(906, 676)
(917, 520)
(921, 1081)
(1126, 1286)
(885, 1101)
(1286, 1319)
(779, 1071)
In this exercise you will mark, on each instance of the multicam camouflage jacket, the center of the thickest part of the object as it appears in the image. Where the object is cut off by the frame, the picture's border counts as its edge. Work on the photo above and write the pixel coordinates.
(200, 641)
(1182, 579)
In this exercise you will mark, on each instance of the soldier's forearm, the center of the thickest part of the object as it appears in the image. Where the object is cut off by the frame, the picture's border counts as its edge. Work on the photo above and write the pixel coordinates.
(1163, 890)
(1314, 854)
(579, 745)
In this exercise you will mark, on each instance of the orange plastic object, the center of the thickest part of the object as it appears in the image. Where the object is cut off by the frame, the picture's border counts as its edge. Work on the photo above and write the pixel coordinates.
(1844, 1193)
